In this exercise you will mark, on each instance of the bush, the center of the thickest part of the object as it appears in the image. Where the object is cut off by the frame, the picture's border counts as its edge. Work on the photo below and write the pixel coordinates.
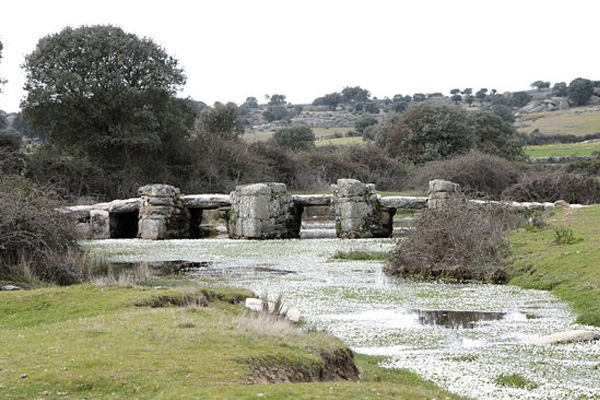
(588, 167)
(11, 159)
(295, 138)
(553, 186)
(478, 174)
(69, 176)
(367, 163)
(458, 242)
(566, 236)
(36, 241)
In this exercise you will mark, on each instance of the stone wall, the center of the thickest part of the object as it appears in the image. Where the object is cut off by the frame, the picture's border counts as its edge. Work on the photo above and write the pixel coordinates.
(162, 214)
(263, 211)
(358, 213)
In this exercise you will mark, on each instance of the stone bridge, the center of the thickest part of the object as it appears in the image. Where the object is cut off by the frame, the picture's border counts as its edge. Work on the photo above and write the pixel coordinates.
(257, 211)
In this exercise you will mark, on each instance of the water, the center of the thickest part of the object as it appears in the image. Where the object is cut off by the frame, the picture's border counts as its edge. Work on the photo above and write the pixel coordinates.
(460, 336)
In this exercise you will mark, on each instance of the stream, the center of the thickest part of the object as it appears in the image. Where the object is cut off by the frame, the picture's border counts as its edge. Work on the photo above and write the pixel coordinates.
(462, 337)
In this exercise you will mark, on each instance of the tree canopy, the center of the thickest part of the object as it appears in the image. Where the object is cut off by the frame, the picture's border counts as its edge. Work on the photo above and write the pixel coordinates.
(295, 138)
(540, 85)
(580, 91)
(427, 132)
(103, 91)
(221, 120)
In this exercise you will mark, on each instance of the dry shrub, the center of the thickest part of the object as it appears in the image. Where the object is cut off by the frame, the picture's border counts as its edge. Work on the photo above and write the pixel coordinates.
(141, 273)
(458, 242)
(35, 240)
(553, 186)
(266, 325)
(478, 174)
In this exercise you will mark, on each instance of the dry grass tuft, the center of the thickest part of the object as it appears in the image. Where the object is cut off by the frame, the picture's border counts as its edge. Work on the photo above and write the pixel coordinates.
(267, 325)
(142, 273)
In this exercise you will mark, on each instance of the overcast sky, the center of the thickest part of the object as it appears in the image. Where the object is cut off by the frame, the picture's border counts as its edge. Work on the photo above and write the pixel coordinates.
(233, 49)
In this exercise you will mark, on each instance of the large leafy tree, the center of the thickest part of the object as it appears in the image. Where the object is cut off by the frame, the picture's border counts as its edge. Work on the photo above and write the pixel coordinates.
(580, 91)
(109, 94)
(295, 137)
(426, 133)
(221, 120)
(493, 135)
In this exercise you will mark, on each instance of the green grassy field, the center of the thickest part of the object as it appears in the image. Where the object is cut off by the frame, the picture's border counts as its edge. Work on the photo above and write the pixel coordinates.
(564, 149)
(95, 342)
(575, 121)
(571, 271)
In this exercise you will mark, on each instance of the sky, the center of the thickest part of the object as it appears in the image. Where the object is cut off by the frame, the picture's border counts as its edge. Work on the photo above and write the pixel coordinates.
(304, 49)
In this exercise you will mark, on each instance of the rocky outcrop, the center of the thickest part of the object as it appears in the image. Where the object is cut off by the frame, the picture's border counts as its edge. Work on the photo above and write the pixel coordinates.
(568, 337)
(357, 211)
(162, 214)
(263, 211)
(546, 104)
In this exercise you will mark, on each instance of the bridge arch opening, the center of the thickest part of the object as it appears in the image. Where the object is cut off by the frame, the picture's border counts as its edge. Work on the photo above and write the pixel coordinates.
(124, 225)
(317, 222)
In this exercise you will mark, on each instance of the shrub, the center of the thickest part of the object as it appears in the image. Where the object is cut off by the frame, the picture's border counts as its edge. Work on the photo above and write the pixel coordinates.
(69, 176)
(36, 241)
(553, 186)
(11, 160)
(478, 174)
(566, 236)
(515, 381)
(295, 138)
(459, 242)
(588, 167)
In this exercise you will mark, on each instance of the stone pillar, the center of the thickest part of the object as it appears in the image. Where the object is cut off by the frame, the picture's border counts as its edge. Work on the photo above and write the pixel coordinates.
(263, 211)
(358, 213)
(99, 224)
(440, 191)
(162, 213)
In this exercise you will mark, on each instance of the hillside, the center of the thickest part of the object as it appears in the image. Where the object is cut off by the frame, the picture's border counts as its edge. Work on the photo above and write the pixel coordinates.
(543, 114)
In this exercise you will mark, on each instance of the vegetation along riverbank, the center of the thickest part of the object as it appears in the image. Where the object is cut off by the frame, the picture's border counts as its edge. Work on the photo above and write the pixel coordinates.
(169, 339)
(562, 256)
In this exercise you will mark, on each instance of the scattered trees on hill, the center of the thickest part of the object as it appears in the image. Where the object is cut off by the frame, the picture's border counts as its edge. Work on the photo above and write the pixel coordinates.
(331, 100)
(518, 99)
(580, 91)
(276, 99)
(540, 85)
(355, 94)
(559, 89)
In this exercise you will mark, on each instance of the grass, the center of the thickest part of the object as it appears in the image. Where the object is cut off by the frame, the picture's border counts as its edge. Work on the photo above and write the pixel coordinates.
(360, 255)
(107, 342)
(575, 121)
(515, 381)
(569, 269)
(562, 150)
(343, 141)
